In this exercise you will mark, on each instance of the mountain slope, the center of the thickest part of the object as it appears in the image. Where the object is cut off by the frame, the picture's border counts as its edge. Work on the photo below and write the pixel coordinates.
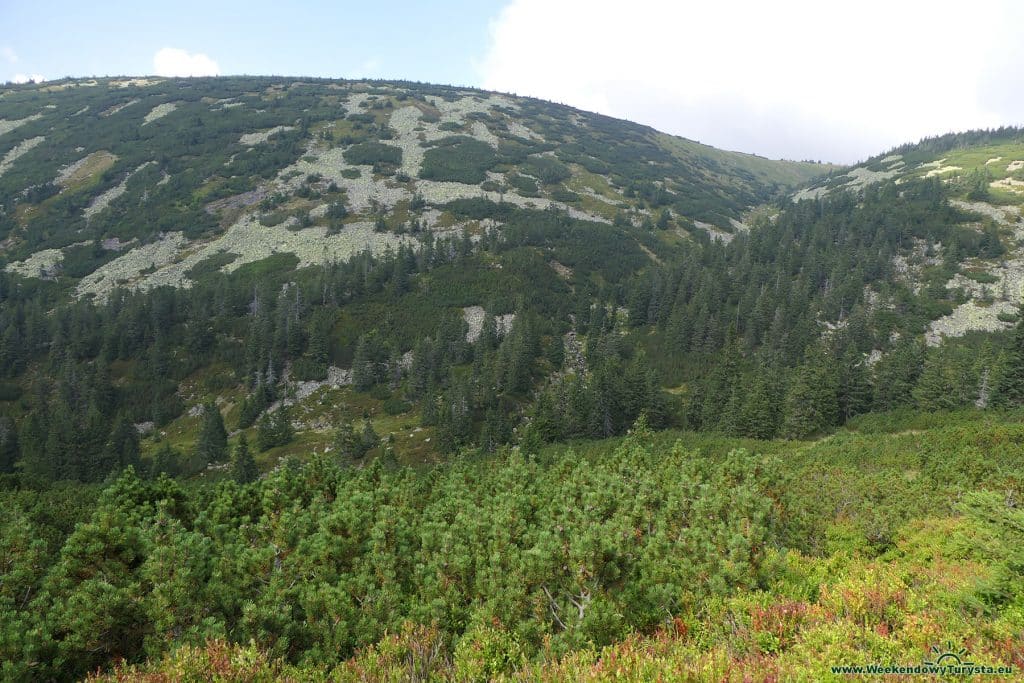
(983, 174)
(409, 271)
(108, 182)
(295, 365)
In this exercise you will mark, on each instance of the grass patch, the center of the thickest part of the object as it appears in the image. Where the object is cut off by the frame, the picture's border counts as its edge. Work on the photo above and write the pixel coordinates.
(95, 165)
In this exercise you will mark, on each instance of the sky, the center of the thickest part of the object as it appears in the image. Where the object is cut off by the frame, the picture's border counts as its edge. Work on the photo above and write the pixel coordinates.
(794, 79)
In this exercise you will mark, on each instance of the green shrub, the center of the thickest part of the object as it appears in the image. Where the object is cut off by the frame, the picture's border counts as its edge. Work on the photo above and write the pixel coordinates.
(396, 406)
(9, 391)
(485, 653)
(372, 153)
(981, 276)
(458, 159)
(210, 264)
(547, 170)
(308, 370)
(527, 187)
(560, 194)
(380, 392)
(273, 219)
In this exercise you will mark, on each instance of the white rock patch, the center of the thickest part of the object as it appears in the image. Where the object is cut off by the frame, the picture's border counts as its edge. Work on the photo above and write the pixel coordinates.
(159, 111)
(64, 173)
(103, 200)
(136, 82)
(353, 105)
(474, 317)
(470, 103)
(968, 317)
(336, 379)
(938, 167)
(941, 170)
(17, 151)
(860, 177)
(247, 238)
(739, 226)
(7, 126)
(42, 264)
(589, 192)
(361, 192)
(482, 132)
(1010, 184)
(404, 121)
(437, 192)
(128, 268)
(1015, 166)
(521, 131)
(1009, 216)
(715, 232)
(809, 193)
(262, 136)
(119, 107)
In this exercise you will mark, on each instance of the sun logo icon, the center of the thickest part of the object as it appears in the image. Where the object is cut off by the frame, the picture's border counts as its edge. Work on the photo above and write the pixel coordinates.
(948, 656)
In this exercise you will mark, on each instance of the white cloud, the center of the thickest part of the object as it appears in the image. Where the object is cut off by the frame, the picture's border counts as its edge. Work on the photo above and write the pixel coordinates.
(794, 78)
(370, 68)
(28, 78)
(172, 61)
(9, 55)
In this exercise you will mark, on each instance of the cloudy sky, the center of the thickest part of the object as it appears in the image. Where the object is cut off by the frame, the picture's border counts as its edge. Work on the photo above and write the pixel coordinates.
(791, 78)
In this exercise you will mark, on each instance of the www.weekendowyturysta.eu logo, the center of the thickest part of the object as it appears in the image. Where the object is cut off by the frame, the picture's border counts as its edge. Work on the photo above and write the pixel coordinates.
(947, 657)
(941, 661)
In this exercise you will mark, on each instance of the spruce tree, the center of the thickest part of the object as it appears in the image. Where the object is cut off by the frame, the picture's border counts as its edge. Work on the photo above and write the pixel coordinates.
(243, 467)
(212, 445)
(368, 437)
(347, 443)
(122, 448)
(811, 403)
(896, 375)
(362, 365)
(488, 338)
(1009, 389)
(35, 460)
(937, 386)
(283, 430)
(854, 385)
(759, 416)
(265, 436)
(8, 445)
(165, 461)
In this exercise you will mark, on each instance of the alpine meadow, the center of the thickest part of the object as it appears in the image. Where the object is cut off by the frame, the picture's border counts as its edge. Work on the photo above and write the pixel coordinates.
(366, 380)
